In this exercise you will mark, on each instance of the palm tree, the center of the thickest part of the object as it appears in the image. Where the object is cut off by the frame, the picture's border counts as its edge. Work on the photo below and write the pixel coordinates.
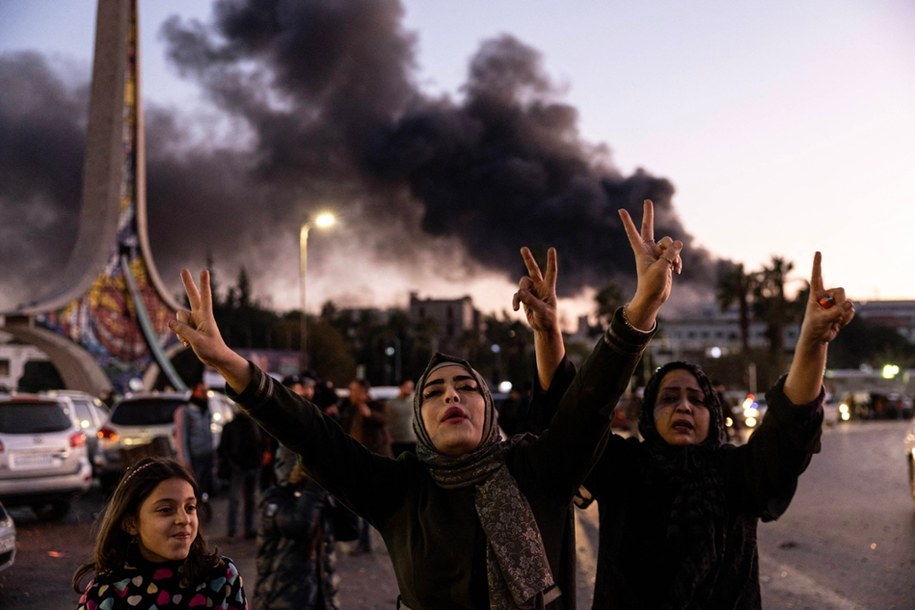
(772, 307)
(735, 286)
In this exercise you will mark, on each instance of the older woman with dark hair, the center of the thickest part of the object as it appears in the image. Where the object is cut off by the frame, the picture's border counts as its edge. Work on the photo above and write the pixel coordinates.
(471, 521)
(679, 508)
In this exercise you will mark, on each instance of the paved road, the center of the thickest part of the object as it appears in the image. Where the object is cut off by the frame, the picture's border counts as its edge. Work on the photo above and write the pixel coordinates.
(846, 543)
(848, 539)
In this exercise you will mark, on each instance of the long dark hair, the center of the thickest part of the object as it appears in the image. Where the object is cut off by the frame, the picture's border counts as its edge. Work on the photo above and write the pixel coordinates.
(113, 544)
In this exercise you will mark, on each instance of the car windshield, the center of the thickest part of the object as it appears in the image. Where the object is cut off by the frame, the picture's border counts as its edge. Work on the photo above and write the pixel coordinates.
(145, 412)
(32, 418)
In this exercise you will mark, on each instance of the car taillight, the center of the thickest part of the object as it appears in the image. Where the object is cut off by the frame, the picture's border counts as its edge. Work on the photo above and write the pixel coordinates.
(77, 439)
(107, 434)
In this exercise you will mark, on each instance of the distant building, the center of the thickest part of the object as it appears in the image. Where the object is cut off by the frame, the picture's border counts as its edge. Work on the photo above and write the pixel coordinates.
(711, 333)
(899, 315)
(453, 319)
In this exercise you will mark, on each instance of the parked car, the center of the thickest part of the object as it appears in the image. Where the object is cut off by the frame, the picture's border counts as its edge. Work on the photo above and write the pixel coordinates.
(910, 456)
(44, 463)
(88, 412)
(7, 539)
(143, 424)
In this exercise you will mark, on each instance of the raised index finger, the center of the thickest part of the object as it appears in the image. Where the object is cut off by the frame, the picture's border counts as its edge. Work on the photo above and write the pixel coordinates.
(816, 278)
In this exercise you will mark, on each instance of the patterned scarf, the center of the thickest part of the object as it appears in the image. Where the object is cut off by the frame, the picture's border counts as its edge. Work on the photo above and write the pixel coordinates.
(698, 516)
(517, 569)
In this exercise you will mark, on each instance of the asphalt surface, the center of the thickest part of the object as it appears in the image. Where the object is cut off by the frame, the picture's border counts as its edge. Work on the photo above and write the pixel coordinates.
(846, 543)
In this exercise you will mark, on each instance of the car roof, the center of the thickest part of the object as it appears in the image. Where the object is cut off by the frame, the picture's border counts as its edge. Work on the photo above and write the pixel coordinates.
(29, 400)
(66, 392)
(25, 397)
(153, 395)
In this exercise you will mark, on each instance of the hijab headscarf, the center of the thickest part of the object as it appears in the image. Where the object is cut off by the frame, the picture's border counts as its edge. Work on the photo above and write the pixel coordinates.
(283, 464)
(517, 569)
(697, 527)
(716, 433)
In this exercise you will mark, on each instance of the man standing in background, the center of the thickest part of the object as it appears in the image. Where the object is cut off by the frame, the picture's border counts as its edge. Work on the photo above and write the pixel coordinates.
(194, 441)
(401, 412)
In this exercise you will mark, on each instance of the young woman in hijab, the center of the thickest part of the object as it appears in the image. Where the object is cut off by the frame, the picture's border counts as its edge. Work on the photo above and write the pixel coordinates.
(679, 509)
(471, 521)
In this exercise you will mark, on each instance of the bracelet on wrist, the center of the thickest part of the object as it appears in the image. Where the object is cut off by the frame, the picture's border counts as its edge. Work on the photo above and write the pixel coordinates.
(633, 328)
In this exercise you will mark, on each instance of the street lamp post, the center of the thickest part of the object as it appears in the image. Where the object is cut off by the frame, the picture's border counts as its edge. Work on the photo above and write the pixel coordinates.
(324, 220)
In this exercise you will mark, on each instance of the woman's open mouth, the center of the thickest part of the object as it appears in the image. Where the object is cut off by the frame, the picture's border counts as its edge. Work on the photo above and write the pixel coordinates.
(454, 415)
(683, 425)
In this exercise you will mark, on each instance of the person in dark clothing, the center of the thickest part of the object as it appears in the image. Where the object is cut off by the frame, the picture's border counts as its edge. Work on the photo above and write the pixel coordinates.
(304, 386)
(296, 559)
(194, 442)
(685, 501)
(239, 455)
(366, 420)
(513, 410)
(471, 521)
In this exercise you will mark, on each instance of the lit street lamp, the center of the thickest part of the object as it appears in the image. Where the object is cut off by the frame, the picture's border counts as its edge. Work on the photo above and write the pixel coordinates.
(323, 220)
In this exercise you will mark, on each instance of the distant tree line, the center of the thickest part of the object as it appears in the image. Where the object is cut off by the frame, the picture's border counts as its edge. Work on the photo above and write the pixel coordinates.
(384, 346)
(380, 346)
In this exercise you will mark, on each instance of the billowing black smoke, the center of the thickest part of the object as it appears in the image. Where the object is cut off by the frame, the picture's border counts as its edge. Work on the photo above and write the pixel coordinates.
(319, 103)
(42, 142)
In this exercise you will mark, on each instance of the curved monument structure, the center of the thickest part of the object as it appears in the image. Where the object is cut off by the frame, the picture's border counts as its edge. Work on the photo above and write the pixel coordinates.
(105, 324)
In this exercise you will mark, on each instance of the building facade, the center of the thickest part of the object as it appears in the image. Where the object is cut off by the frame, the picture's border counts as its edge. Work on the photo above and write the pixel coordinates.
(453, 319)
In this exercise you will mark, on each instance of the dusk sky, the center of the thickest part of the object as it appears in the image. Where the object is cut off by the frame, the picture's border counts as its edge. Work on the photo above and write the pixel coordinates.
(779, 128)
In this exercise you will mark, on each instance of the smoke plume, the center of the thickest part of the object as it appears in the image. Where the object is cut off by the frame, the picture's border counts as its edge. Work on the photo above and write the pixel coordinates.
(317, 103)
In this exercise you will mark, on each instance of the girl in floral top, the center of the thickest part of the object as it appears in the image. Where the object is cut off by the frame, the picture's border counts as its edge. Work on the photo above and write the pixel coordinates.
(149, 552)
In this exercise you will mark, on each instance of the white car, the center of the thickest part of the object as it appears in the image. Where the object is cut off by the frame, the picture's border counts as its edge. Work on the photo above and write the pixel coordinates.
(44, 463)
(7, 539)
(143, 424)
(88, 412)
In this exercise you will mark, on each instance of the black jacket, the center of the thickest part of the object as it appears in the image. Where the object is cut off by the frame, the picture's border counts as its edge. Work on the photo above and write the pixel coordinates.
(295, 550)
(433, 534)
(240, 444)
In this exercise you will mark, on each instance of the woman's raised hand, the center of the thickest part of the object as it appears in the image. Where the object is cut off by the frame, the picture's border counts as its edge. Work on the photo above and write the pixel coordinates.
(827, 312)
(196, 328)
(537, 291)
(655, 264)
